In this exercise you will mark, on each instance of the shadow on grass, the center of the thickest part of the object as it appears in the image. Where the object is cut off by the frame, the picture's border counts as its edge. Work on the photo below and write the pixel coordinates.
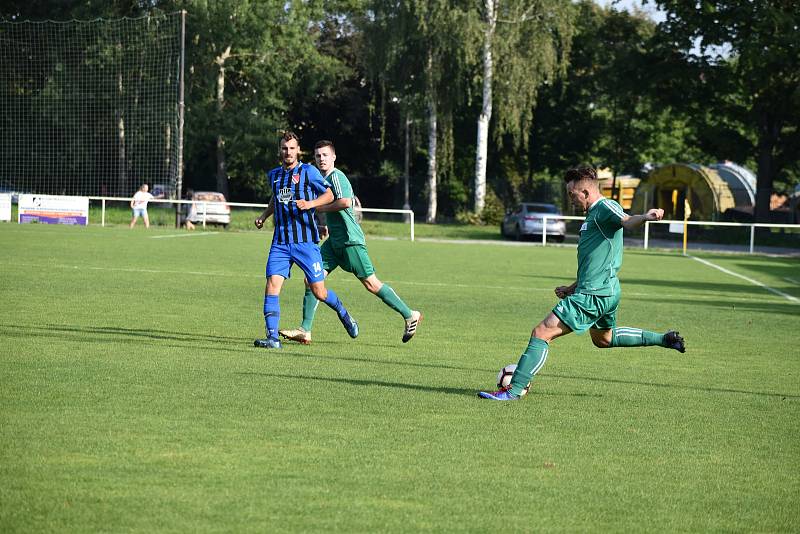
(673, 386)
(689, 285)
(698, 286)
(118, 331)
(778, 268)
(19, 331)
(233, 345)
(461, 391)
(671, 290)
(398, 385)
(787, 308)
(382, 362)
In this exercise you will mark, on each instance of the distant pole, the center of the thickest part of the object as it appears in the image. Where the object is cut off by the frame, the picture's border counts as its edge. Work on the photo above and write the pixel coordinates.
(407, 168)
(179, 179)
(614, 196)
(687, 211)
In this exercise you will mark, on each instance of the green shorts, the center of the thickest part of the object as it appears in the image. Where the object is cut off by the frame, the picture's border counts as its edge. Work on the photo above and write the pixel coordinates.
(352, 258)
(581, 311)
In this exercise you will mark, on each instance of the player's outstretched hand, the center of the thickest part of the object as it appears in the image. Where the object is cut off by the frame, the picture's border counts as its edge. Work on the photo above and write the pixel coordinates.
(259, 222)
(655, 214)
(302, 204)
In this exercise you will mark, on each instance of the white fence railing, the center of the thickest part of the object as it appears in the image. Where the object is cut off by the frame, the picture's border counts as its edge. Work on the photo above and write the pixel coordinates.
(647, 224)
(752, 226)
(387, 210)
(546, 218)
(203, 208)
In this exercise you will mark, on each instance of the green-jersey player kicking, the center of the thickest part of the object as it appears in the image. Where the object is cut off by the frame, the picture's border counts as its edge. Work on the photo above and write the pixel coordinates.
(346, 248)
(591, 302)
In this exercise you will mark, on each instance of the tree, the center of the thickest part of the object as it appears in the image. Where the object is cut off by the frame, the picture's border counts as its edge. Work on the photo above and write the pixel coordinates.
(608, 109)
(246, 62)
(423, 51)
(532, 40)
(746, 61)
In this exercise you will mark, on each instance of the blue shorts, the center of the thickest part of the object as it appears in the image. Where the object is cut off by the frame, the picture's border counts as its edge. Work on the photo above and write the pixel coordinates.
(306, 255)
(139, 212)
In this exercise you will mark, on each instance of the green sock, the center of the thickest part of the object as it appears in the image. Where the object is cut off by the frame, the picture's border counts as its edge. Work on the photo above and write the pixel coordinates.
(529, 364)
(624, 336)
(310, 304)
(390, 298)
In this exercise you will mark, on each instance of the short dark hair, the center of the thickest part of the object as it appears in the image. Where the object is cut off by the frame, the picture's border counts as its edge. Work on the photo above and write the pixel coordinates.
(288, 135)
(583, 172)
(323, 143)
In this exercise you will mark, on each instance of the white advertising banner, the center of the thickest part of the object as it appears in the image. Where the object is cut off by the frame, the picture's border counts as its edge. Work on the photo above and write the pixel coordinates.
(676, 228)
(53, 209)
(5, 206)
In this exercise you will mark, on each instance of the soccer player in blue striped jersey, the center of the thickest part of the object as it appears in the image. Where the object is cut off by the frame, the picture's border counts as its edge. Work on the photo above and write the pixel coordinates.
(297, 189)
(591, 302)
(346, 248)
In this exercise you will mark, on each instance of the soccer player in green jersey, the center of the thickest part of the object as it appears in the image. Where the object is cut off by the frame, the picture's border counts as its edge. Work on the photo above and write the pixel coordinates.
(591, 302)
(346, 248)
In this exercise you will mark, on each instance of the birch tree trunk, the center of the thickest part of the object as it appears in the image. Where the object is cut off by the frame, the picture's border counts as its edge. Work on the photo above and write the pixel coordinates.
(431, 216)
(222, 168)
(122, 178)
(490, 7)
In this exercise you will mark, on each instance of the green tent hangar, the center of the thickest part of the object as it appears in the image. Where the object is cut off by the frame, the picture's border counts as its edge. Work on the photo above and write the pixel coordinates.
(712, 190)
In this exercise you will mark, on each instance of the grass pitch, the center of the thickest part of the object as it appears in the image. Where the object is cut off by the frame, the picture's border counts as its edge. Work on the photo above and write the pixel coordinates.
(132, 399)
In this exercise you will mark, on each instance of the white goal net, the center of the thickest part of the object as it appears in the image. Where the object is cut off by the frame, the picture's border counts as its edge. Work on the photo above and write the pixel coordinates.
(90, 108)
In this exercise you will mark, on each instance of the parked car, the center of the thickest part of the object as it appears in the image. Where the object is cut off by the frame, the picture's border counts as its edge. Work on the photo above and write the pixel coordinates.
(526, 221)
(216, 209)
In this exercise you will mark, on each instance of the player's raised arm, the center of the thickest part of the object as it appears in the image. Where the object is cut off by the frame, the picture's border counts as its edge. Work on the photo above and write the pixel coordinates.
(337, 205)
(635, 221)
(324, 198)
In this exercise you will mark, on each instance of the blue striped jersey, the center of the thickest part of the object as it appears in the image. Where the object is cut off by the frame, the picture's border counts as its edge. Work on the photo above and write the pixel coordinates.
(302, 182)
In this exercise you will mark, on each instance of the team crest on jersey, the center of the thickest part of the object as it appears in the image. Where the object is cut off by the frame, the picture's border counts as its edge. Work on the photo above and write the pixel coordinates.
(285, 195)
(296, 178)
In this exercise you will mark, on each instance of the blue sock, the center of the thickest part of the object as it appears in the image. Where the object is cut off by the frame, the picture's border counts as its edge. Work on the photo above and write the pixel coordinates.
(272, 315)
(335, 304)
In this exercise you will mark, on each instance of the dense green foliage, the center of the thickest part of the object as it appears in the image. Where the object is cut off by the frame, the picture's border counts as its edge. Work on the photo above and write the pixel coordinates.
(132, 398)
(745, 72)
(604, 86)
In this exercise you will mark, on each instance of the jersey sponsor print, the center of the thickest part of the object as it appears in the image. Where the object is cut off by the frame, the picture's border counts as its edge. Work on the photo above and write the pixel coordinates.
(302, 182)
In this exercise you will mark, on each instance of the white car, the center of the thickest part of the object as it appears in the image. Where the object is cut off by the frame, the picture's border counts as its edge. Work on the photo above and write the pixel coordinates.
(209, 206)
(527, 218)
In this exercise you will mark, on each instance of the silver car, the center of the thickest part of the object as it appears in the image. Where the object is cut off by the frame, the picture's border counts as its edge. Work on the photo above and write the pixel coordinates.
(526, 221)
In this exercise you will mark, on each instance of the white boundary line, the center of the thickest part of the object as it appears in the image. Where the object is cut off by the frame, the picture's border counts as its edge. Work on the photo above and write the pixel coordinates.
(754, 282)
(353, 280)
(181, 235)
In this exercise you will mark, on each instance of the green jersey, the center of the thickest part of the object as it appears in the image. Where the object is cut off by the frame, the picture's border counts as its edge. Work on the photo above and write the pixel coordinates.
(342, 225)
(600, 249)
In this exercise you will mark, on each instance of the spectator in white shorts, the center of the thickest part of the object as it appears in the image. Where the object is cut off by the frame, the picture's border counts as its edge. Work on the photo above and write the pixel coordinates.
(139, 205)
